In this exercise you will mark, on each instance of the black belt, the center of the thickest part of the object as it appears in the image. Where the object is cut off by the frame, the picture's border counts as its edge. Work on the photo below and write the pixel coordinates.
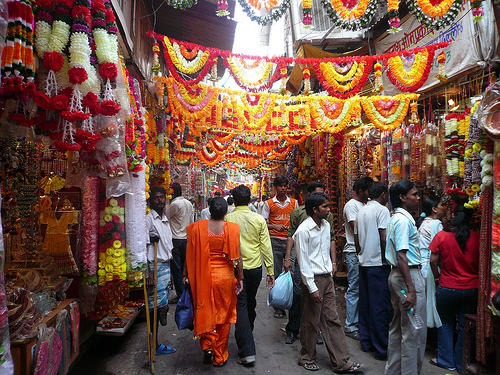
(324, 275)
(417, 266)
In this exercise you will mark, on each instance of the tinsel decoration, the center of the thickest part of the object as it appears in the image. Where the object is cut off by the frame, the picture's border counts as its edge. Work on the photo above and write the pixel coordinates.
(90, 228)
(442, 74)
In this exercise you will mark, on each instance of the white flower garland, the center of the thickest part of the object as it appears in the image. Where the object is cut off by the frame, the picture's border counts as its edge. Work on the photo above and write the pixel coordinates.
(42, 35)
(486, 170)
(188, 65)
(106, 46)
(59, 36)
(80, 57)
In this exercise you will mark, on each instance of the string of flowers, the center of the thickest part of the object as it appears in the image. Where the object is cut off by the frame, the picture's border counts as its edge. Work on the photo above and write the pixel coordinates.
(90, 228)
(333, 115)
(477, 10)
(435, 14)
(356, 18)
(274, 15)
(306, 11)
(262, 72)
(386, 112)
(394, 21)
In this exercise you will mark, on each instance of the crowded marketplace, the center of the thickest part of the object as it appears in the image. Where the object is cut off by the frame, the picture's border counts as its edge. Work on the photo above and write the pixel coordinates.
(261, 185)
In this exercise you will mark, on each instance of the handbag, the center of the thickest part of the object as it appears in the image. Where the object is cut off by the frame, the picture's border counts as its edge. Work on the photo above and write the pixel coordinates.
(281, 296)
(184, 312)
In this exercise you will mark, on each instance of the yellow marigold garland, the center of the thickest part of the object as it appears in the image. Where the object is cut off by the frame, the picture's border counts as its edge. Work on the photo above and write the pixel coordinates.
(333, 124)
(330, 75)
(393, 121)
(412, 77)
(438, 10)
(349, 14)
(181, 63)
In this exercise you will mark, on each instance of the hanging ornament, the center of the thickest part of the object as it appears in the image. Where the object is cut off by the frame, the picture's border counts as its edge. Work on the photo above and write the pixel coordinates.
(441, 60)
(434, 13)
(283, 73)
(477, 10)
(394, 21)
(414, 113)
(378, 77)
(222, 8)
(156, 61)
(273, 15)
(306, 11)
(307, 80)
(357, 17)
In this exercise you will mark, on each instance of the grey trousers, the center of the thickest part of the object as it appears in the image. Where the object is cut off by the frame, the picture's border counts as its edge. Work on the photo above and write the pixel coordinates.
(406, 349)
(279, 249)
(324, 316)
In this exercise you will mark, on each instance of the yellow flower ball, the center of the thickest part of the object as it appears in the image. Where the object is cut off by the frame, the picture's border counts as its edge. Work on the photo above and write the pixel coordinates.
(117, 244)
(113, 202)
(108, 218)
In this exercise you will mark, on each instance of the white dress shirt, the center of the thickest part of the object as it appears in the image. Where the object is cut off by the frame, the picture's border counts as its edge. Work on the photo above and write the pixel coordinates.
(312, 244)
(205, 214)
(159, 227)
(180, 215)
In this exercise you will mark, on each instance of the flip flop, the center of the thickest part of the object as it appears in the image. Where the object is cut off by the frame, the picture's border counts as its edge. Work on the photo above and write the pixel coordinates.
(311, 366)
(354, 369)
(162, 349)
(434, 362)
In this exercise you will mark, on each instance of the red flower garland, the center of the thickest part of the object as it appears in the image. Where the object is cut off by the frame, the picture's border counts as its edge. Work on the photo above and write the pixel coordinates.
(108, 71)
(262, 87)
(53, 61)
(109, 108)
(77, 75)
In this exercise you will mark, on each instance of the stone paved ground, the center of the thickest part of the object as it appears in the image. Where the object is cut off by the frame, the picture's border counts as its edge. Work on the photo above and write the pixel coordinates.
(125, 355)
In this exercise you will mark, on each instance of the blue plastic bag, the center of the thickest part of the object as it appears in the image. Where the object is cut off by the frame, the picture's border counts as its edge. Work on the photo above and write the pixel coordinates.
(184, 312)
(281, 296)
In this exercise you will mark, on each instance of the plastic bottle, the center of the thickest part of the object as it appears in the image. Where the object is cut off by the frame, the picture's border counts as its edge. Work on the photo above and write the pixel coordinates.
(415, 319)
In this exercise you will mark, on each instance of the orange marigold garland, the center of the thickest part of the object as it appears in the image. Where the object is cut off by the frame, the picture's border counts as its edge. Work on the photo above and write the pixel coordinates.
(435, 14)
(353, 16)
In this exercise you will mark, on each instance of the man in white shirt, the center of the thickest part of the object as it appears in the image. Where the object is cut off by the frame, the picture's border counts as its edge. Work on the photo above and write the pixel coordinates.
(205, 213)
(180, 215)
(314, 254)
(159, 231)
(351, 208)
(375, 310)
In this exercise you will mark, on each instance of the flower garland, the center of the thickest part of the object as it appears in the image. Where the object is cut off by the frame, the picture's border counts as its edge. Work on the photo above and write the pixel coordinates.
(263, 79)
(258, 114)
(394, 20)
(274, 15)
(435, 16)
(477, 10)
(306, 11)
(356, 18)
(90, 227)
(203, 105)
(182, 4)
(338, 84)
(333, 115)
(397, 107)
(268, 4)
(420, 64)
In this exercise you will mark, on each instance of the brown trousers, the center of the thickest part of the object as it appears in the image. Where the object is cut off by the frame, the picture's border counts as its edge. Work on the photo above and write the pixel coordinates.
(324, 316)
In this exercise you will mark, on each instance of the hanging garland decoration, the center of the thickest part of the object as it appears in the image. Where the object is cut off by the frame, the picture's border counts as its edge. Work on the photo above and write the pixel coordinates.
(182, 4)
(333, 115)
(345, 77)
(274, 14)
(306, 11)
(255, 112)
(355, 18)
(419, 64)
(175, 60)
(239, 70)
(268, 4)
(477, 10)
(394, 20)
(435, 14)
(387, 112)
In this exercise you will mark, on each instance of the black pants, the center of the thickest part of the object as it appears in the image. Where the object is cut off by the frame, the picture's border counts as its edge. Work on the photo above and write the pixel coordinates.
(295, 312)
(177, 264)
(246, 314)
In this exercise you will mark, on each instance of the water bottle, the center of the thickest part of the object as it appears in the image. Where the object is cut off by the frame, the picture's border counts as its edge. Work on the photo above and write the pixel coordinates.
(415, 319)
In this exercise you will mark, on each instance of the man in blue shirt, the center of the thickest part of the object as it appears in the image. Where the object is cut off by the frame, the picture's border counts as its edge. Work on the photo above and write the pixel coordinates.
(406, 347)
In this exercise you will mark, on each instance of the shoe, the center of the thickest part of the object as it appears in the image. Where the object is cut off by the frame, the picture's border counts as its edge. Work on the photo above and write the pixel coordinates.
(434, 362)
(162, 349)
(310, 366)
(246, 361)
(354, 369)
(353, 335)
(290, 338)
(320, 341)
(207, 356)
(162, 315)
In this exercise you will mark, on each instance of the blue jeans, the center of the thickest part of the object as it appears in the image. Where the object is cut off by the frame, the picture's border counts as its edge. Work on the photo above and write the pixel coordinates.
(352, 295)
(453, 304)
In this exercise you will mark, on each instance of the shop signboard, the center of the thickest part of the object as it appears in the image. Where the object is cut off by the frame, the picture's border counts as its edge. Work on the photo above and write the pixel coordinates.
(471, 44)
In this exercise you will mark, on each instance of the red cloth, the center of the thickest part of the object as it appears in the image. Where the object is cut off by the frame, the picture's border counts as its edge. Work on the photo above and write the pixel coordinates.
(458, 270)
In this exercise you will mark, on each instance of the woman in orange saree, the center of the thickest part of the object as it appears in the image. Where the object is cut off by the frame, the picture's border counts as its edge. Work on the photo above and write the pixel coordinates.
(213, 253)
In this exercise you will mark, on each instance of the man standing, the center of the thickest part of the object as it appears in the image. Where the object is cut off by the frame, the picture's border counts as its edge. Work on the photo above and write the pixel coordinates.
(255, 246)
(297, 217)
(159, 231)
(277, 212)
(260, 205)
(205, 213)
(374, 295)
(405, 353)
(351, 208)
(319, 311)
(180, 215)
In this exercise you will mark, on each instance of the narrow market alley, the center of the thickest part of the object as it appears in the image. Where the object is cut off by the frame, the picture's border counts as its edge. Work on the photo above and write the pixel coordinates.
(104, 355)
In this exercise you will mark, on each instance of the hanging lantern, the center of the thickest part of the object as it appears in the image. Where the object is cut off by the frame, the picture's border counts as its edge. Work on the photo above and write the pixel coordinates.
(222, 8)
(307, 80)
(441, 60)
(378, 77)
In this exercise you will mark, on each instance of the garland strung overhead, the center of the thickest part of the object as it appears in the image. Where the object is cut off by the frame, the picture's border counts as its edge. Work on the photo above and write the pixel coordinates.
(342, 77)
(435, 14)
(353, 16)
(274, 14)
(274, 115)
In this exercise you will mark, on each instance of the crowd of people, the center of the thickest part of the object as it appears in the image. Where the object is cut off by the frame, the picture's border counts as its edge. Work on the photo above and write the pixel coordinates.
(406, 272)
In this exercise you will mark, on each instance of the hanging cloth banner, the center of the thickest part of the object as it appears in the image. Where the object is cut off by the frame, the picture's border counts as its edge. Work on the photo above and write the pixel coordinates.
(342, 77)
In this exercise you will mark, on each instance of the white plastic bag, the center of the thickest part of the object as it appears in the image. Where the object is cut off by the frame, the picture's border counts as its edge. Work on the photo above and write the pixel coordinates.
(281, 296)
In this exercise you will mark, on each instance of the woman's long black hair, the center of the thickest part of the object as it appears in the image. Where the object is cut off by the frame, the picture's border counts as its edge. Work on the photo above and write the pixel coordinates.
(460, 225)
(428, 204)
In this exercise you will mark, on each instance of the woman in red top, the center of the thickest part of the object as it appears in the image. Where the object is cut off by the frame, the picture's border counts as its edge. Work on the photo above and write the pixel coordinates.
(456, 250)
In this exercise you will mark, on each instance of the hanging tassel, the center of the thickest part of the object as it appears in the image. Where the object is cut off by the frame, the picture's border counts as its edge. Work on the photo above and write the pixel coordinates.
(441, 60)
(156, 61)
(306, 11)
(222, 8)
(283, 72)
(307, 80)
(394, 20)
(477, 10)
(414, 113)
(378, 77)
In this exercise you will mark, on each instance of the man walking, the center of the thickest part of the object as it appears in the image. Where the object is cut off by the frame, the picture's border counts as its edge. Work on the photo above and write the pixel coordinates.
(180, 215)
(159, 231)
(277, 212)
(351, 208)
(375, 309)
(255, 245)
(405, 353)
(319, 311)
(297, 217)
